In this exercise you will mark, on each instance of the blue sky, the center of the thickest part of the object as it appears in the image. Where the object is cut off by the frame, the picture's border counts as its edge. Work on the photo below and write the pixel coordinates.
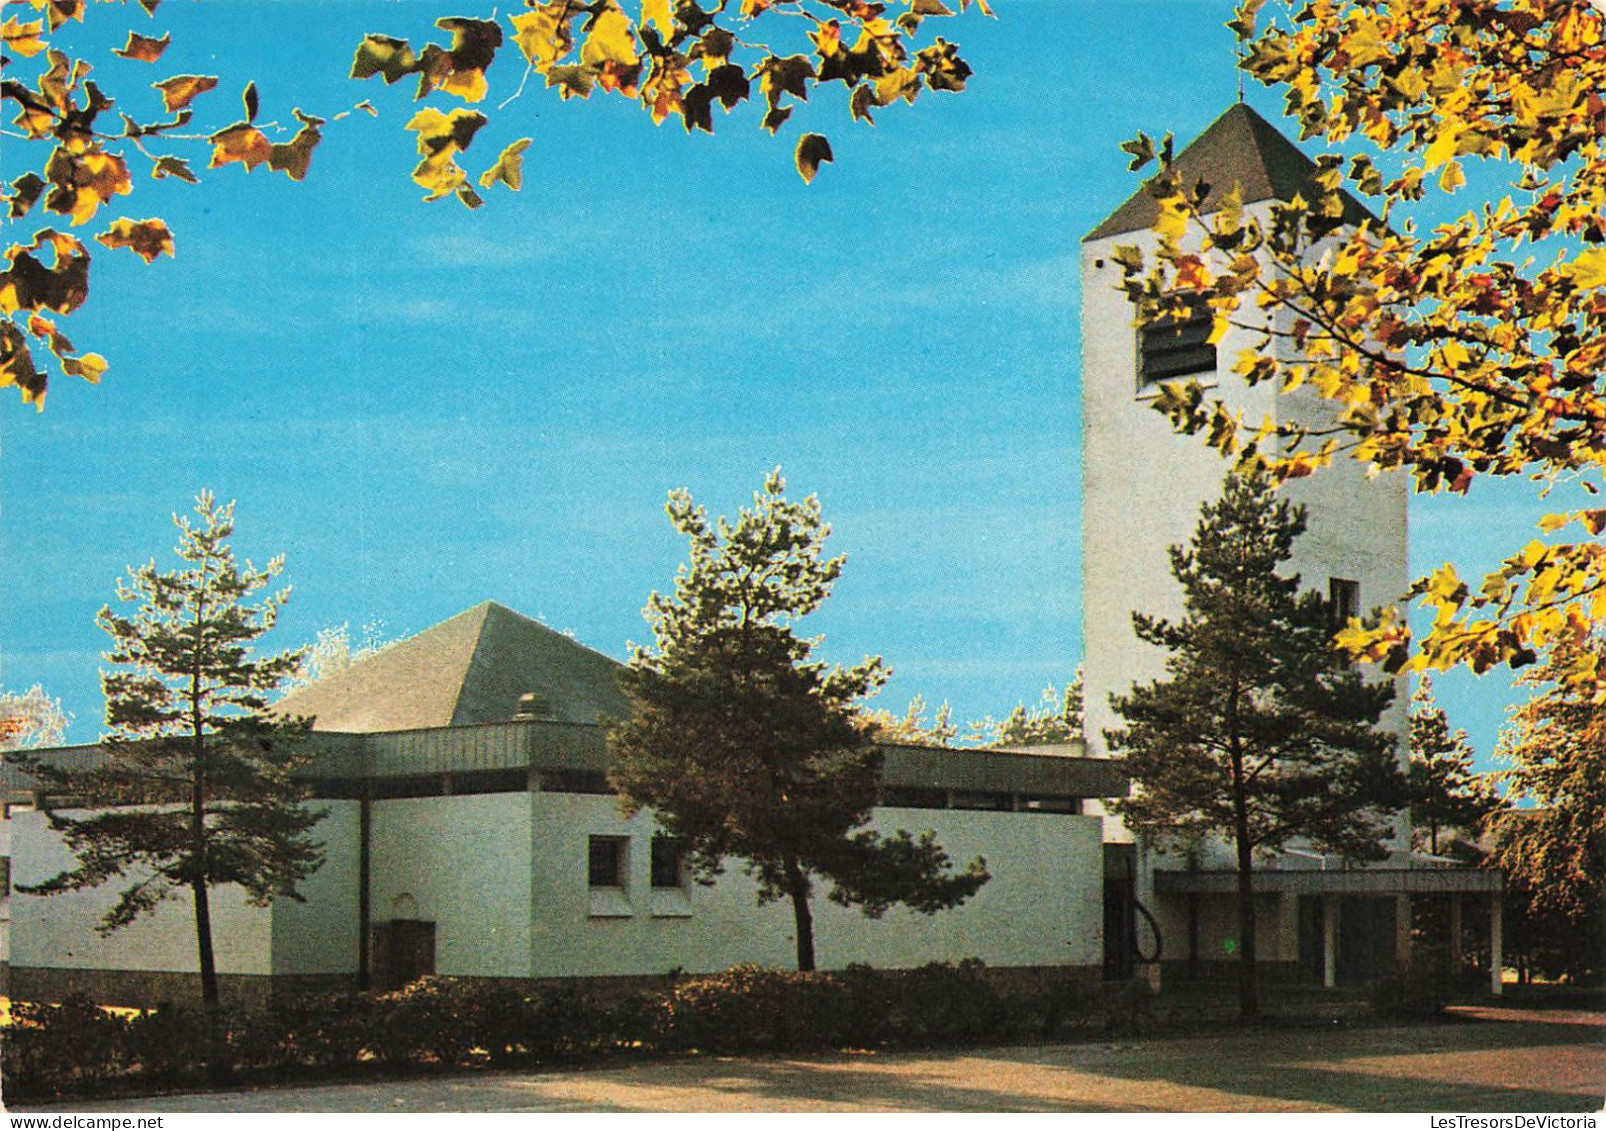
(423, 407)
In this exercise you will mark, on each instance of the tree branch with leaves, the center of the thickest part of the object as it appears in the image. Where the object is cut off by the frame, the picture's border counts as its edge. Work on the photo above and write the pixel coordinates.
(1466, 349)
(677, 59)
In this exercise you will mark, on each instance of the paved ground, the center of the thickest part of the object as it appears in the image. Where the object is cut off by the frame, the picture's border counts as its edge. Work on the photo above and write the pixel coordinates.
(1486, 1060)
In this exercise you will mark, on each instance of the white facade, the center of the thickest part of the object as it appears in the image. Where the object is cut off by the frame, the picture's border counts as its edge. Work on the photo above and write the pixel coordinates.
(59, 931)
(503, 879)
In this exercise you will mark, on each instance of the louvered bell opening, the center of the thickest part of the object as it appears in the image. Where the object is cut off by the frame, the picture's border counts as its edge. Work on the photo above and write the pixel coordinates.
(1177, 346)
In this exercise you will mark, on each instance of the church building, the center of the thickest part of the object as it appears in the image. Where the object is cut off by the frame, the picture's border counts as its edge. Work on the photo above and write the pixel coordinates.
(470, 829)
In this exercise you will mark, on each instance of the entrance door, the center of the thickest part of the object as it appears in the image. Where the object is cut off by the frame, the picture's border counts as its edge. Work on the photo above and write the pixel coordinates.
(404, 951)
(1119, 959)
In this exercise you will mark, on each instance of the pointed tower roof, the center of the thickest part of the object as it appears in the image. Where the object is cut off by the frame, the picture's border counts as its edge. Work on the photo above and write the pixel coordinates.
(1242, 148)
(472, 668)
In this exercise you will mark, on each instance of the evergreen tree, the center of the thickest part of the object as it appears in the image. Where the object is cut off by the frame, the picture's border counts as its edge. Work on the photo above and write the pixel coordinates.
(1260, 733)
(744, 745)
(1446, 792)
(30, 719)
(912, 726)
(1555, 844)
(1057, 718)
(195, 788)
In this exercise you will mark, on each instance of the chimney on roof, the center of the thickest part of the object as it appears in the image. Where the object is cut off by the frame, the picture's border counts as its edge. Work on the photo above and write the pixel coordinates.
(533, 705)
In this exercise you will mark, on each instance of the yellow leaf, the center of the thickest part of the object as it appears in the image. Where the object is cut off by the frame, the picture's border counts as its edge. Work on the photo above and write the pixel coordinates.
(142, 48)
(438, 132)
(96, 178)
(241, 142)
(1171, 222)
(812, 150)
(1588, 268)
(90, 366)
(509, 167)
(469, 85)
(440, 174)
(658, 14)
(22, 38)
(1443, 147)
(544, 35)
(611, 39)
(180, 90)
(145, 238)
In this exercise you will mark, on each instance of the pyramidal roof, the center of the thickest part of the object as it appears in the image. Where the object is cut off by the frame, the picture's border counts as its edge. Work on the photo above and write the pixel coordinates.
(472, 668)
(1242, 148)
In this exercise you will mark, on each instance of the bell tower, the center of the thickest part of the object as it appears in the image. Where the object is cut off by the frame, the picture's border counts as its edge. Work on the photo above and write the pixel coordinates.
(1143, 485)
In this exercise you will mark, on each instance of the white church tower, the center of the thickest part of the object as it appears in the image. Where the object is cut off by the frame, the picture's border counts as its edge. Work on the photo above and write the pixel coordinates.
(1143, 485)
(1142, 489)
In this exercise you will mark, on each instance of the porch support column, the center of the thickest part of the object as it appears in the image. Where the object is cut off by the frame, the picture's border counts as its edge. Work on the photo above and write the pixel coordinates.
(1288, 928)
(1402, 930)
(1455, 931)
(1329, 941)
(1497, 958)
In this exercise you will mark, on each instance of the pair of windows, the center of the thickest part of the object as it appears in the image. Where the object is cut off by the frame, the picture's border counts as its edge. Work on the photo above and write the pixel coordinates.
(609, 862)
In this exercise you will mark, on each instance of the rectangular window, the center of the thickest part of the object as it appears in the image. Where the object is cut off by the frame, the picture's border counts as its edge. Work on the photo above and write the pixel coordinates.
(999, 802)
(1343, 601)
(574, 781)
(1177, 344)
(913, 797)
(606, 866)
(1051, 804)
(668, 863)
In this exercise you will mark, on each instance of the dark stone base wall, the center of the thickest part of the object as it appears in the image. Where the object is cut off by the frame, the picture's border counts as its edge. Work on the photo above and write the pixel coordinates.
(148, 988)
(1023, 980)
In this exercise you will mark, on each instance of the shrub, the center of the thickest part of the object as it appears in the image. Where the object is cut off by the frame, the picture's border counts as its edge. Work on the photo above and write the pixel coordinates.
(750, 1008)
(78, 1048)
(61, 1049)
(1419, 992)
(944, 1004)
(167, 1045)
(324, 1034)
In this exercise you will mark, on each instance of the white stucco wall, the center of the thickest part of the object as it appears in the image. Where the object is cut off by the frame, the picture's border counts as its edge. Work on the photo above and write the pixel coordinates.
(320, 935)
(58, 931)
(1042, 907)
(462, 863)
(1143, 486)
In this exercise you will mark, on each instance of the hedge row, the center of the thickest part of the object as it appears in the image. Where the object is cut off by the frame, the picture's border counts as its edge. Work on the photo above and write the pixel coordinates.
(77, 1048)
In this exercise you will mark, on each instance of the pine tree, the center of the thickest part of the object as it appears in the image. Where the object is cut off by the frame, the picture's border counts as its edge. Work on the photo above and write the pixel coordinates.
(195, 787)
(1057, 718)
(1555, 844)
(1260, 733)
(1446, 792)
(744, 745)
(911, 727)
